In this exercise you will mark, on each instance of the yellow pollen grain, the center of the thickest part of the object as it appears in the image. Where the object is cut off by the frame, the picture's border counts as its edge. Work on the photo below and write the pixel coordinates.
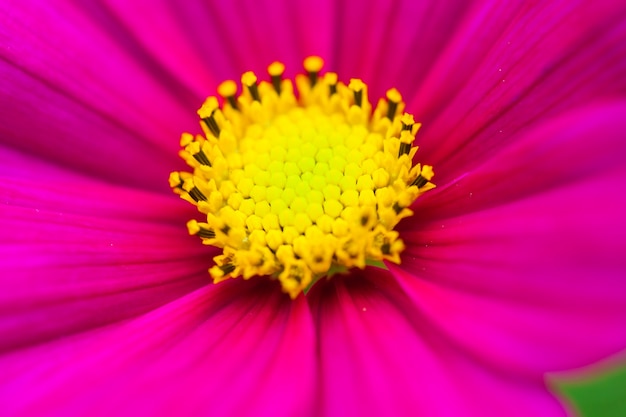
(331, 78)
(227, 89)
(394, 95)
(313, 64)
(276, 68)
(356, 84)
(296, 186)
(248, 78)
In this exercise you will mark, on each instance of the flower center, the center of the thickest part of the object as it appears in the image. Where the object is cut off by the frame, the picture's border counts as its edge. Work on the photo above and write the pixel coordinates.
(300, 187)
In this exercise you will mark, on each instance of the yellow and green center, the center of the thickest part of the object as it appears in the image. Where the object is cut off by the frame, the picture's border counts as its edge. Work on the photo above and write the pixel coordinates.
(298, 187)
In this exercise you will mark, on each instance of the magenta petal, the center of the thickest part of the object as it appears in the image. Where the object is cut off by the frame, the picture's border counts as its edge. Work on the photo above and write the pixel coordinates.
(580, 145)
(76, 95)
(240, 37)
(380, 357)
(211, 42)
(238, 348)
(362, 371)
(513, 65)
(390, 44)
(16, 164)
(524, 266)
(80, 254)
(178, 46)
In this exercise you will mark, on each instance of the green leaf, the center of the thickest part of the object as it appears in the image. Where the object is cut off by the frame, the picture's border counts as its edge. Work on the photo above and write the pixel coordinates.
(602, 394)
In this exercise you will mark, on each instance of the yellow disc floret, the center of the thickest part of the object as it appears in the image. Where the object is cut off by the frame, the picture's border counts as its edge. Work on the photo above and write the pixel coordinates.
(297, 188)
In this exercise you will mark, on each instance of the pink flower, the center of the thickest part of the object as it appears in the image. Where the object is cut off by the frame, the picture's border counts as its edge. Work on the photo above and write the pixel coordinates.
(514, 265)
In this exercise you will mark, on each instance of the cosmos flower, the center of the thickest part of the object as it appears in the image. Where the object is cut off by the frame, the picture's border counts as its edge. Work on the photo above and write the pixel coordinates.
(513, 265)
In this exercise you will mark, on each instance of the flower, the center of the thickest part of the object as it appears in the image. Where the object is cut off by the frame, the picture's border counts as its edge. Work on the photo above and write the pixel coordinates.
(513, 268)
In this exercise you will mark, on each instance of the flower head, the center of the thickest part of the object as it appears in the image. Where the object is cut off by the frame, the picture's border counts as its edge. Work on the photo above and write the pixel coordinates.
(299, 188)
(512, 267)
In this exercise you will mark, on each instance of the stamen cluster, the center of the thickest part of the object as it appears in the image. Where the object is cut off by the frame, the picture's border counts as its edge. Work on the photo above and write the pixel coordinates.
(296, 187)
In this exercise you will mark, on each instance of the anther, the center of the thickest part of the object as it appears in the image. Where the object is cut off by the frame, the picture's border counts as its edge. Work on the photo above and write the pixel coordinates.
(176, 181)
(276, 71)
(228, 91)
(407, 122)
(313, 65)
(195, 149)
(331, 80)
(206, 233)
(207, 113)
(394, 98)
(357, 87)
(405, 149)
(211, 124)
(196, 194)
(201, 157)
(200, 231)
(420, 181)
(227, 268)
(385, 248)
(250, 80)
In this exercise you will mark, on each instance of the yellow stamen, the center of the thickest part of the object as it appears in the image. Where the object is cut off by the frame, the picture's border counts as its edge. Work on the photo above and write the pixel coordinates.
(298, 188)
(313, 64)
(276, 70)
(227, 88)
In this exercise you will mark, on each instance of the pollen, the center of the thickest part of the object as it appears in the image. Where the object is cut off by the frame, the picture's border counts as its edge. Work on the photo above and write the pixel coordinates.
(299, 182)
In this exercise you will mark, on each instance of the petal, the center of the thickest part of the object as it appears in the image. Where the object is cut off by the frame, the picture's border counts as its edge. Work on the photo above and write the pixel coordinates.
(187, 34)
(379, 357)
(376, 42)
(81, 254)
(237, 348)
(524, 265)
(78, 94)
(16, 164)
(512, 65)
(578, 145)
(234, 37)
(391, 44)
